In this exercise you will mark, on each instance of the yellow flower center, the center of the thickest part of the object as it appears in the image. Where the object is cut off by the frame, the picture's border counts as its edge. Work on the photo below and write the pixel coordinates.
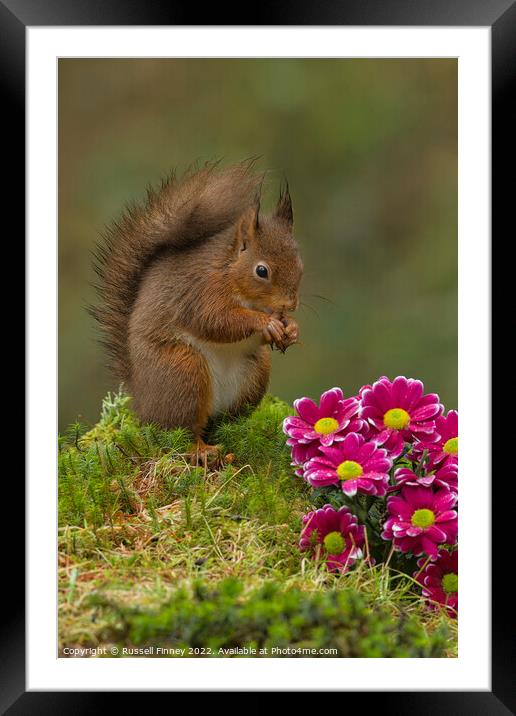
(423, 518)
(451, 446)
(396, 418)
(349, 470)
(450, 583)
(334, 543)
(324, 426)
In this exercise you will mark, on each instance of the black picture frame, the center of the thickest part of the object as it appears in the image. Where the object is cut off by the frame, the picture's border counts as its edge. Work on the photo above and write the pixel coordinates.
(500, 16)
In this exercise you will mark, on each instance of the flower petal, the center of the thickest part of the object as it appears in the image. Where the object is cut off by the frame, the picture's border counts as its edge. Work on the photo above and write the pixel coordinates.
(428, 546)
(307, 410)
(413, 395)
(383, 395)
(435, 534)
(329, 402)
(426, 412)
(398, 506)
(349, 487)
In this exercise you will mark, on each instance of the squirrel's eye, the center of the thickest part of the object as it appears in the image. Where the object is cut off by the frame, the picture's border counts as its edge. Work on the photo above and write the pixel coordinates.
(262, 271)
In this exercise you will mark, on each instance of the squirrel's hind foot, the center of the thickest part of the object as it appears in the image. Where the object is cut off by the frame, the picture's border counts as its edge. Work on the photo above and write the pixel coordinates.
(207, 456)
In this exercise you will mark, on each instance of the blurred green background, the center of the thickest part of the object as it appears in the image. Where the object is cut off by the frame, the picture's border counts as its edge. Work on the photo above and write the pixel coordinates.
(370, 151)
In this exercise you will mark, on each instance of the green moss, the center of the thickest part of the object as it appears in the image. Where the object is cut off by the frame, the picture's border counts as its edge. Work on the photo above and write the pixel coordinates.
(257, 436)
(103, 471)
(270, 617)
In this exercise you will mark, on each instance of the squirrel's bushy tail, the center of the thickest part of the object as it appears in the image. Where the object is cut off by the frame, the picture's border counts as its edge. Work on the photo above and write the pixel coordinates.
(182, 212)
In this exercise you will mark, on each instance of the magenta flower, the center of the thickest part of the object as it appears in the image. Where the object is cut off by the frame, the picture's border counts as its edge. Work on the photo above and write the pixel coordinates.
(368, 387)
(400, 412)
(445, 448)
(446, 476)
(440, 580)
(301, 454)
(333, 535)
(354, 464)
(327, 423)
(421, 519)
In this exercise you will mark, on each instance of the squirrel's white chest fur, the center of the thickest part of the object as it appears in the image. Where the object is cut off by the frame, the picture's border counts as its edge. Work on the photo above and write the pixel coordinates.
(228, 364)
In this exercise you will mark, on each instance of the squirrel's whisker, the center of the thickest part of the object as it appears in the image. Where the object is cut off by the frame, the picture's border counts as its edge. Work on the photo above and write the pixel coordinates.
(322, 298)
(307, 305)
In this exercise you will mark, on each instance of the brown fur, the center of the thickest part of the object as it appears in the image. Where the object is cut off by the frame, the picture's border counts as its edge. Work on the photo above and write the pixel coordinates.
(178, 282)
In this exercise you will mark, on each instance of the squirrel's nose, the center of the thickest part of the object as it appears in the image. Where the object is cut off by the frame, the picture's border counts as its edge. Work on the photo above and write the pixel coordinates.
(292, 305)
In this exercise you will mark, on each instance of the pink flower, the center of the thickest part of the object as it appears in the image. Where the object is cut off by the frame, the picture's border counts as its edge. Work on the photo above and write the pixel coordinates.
(333, 535)
(357, 465)
(420, 519)
(446, 476)
(400, 412)
(445, 448)
(440, 580)
(301, 454)
(325, 424)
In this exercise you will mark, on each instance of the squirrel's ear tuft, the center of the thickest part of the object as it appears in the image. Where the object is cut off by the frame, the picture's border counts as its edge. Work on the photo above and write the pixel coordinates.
(248, 225)
(284, 206)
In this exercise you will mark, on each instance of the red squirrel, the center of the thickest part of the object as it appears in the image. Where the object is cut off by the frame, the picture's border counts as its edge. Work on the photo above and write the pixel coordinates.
(196, 285)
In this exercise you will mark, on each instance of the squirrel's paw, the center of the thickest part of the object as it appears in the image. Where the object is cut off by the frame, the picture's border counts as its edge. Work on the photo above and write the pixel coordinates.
(274, 333)
(291, 331)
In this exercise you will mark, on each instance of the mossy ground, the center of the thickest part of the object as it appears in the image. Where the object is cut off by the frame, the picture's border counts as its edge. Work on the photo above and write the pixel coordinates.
(140, 528)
